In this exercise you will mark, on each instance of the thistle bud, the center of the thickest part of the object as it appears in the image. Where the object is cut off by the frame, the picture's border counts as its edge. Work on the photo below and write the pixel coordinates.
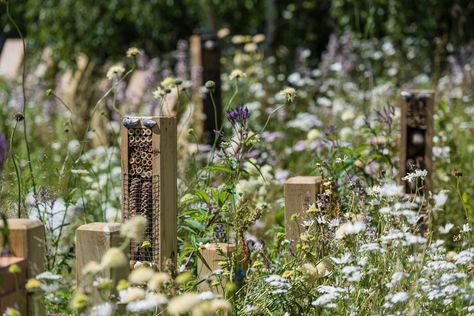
(210, 85)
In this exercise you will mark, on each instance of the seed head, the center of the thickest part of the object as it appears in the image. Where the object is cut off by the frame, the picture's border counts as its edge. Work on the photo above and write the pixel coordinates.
(19, 117)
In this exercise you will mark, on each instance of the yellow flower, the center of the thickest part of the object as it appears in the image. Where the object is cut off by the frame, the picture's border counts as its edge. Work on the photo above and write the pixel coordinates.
(183, 303)
(91, 267)
(238, 39)
(122, 285)
(103, 283)
(168, 83)
(134, 228)
(250, 47)
(289, 94)
(80, 301)
(287, 274)
(114, 258)
(115, 72)
(158, 280)
(184, 277)
(133, 52)
(32, 284)
(258, 38)
(146, 244)
(324, 267)
(312, 209)
(237, 74)
(223, 32)
(220, 305)
(310, 270)
(141, 275)
(11, 312)
(14, 269)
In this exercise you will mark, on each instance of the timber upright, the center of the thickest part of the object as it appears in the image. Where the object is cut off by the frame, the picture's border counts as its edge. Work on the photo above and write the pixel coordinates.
(416, 141)
(205, 66)
(149, 173)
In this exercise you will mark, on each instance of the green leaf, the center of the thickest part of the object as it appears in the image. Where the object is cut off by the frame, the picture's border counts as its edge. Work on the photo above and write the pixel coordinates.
(203, 195)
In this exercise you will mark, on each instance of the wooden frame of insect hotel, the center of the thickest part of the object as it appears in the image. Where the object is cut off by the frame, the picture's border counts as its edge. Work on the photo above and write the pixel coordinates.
(149, 173)
(416, 136)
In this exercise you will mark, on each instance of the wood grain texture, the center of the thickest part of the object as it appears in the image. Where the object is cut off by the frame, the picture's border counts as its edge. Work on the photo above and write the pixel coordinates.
(197, 80)
(136, 89)
(8, 281)
(27, 240)
(164, 177)
(300, 193)
(208, 262)
(206, 66)
(11, 58)
(12, 287)
(169, 194)
(92, 241)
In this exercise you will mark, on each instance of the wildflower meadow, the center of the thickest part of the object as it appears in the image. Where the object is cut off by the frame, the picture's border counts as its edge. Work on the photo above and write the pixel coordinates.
(236, 158)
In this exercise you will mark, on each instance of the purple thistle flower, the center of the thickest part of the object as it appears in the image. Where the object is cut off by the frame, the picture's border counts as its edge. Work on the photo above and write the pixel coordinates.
(3, 150)
(238, 115)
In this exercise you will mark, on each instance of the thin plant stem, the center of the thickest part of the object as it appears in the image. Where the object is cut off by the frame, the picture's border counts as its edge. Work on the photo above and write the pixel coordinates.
(23, 89)
(215, 109)
(17, 171)
(94, 109)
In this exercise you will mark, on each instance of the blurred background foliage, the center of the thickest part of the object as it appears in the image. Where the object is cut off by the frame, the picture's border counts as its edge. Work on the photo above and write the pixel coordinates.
(101, 29)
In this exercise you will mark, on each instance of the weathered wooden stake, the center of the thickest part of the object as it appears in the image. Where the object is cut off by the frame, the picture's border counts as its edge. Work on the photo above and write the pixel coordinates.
(27, 241)
(11, 58)
(149, 187)
(205, 66)
(300, 193)
(208, 263)
(12, 287)
(416, 136)
(92, 241)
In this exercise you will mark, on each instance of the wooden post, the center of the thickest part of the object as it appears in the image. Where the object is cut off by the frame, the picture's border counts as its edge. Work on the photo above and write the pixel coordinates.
(12, 287)
(27, 241)
(92, 241)
(208, 263)
(205, 66)
(136, 89)
(11, 58)
(300, 193)
(149, 184)
(416, 135)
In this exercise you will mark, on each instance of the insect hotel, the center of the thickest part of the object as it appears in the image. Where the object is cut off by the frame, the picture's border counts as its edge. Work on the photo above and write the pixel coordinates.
(149, 167)
(416, 142)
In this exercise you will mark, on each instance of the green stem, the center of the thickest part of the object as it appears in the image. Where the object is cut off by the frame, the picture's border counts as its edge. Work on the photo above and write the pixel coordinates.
(17, 171)
(23, 89)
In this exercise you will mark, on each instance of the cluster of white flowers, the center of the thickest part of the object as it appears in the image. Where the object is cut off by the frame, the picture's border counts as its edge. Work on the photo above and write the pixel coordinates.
(280, 284)
(349, 228)
(330, 296)
(418, 174)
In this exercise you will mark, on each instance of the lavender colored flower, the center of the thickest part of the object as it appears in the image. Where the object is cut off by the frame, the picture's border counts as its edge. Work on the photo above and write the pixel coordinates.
(3, 150)
(238, 115)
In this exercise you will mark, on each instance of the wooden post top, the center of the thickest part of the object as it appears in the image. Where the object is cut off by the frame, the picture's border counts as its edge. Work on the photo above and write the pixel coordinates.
(303, 180)
(5, 262)
(22, 223)
(100, 227)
